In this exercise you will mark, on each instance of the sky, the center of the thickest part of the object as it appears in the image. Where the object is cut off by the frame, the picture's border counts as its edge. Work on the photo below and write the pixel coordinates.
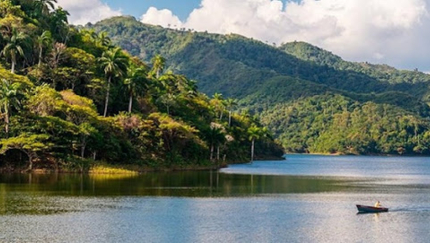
(393, 32)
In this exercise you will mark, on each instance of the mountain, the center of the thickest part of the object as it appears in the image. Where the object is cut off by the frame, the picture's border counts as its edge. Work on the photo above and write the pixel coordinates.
(271, 81)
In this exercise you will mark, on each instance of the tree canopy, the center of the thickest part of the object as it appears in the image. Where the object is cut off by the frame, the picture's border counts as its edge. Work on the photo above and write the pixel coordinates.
(70, 98)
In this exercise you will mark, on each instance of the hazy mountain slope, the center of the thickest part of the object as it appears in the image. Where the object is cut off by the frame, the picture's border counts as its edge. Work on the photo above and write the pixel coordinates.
(307, 52)
(237, 66)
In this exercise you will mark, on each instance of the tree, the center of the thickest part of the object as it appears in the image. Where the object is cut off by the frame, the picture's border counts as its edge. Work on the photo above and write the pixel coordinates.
(30, 144)
(217, 101)
(135, 80)
(59, 25)
(8, 100)
(169, 100)
(44, 101)
(43, 40)
(102, 39)
(255, 133)
(114, 64)
(85, 131)
(44, 6)
(216, 138)
(158, 63)
(15, 46)
(230, 104)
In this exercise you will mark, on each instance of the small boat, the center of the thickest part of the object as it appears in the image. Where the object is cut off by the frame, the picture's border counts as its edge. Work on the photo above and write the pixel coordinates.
(371, 209)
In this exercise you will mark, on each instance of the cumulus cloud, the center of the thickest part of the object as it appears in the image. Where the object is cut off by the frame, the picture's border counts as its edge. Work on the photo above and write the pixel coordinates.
(84, 11)
(162, 17)
(361, 30)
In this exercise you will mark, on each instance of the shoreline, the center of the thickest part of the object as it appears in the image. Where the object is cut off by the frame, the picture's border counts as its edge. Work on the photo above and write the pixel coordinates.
(110, 170)
(104, 168)
(364, 155)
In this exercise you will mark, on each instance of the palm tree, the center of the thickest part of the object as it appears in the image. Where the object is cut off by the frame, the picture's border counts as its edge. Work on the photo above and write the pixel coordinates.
(8, 100)
(114, 64)
(45, 5)
(230, 103)
(14, 47)
(102, 39)
(158, 63)
(216, 138)
(255, 133)
(218, 103)
(135, 80)
(41, 41)
(169, 100)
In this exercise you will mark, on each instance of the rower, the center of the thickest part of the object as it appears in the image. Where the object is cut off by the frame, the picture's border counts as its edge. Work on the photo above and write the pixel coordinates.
(377, 204)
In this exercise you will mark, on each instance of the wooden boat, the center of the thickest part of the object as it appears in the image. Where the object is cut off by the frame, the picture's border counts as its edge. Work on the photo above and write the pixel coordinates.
(371, 209)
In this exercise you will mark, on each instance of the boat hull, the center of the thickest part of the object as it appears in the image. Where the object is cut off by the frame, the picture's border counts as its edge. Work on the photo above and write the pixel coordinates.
(370, 209)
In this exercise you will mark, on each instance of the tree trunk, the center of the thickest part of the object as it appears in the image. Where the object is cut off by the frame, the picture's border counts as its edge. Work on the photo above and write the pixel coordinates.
(40, 57)
(6, 121)
(221, 115)
(217, 153)
(212, 153)
(252, 150)
(229, 118)
(130, 103)
(13, 66)
(83, 148)
(30, 161)
(107, 96)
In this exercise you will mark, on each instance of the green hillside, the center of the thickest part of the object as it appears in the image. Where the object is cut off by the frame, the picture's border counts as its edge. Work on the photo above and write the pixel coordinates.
(70, 99)
(307, 52)
(271, 80)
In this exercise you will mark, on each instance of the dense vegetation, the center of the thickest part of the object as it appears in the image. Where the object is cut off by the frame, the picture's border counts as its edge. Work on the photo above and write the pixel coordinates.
(70, 99)
(311, 99)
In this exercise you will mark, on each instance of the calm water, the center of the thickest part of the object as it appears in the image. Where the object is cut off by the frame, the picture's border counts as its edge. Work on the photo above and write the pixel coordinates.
(301, 199)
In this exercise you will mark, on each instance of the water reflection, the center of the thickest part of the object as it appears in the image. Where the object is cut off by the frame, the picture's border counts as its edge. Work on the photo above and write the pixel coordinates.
(24, 193)
(218, 207)
(188, 184)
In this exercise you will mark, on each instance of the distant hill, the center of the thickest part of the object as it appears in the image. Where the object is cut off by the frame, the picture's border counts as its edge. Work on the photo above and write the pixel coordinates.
(271, 80)
(307, 52)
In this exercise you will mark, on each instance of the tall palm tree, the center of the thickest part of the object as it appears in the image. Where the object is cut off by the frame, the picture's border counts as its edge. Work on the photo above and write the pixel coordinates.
(136, 79)
(103, 39)
(8, 100)
(158, 63)
(45, 5)
(230, 104)
(216, 139)
(218, 103)
(15, 46)
(43, 40)
(255, 133)
(114, 64)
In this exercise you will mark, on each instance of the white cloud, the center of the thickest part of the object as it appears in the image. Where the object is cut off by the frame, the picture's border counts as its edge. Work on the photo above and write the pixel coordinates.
(393, 32)
(84, 11)
(162, 17)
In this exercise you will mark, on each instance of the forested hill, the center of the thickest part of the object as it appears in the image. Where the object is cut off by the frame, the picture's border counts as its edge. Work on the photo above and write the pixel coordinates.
(70, 99)
(300, 91)
(307, 52)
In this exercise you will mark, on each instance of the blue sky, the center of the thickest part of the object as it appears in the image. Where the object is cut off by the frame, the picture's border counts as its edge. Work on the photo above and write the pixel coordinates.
(181, 8)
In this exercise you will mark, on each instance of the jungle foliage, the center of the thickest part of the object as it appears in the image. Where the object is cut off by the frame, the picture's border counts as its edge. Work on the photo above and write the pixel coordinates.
(70, 98)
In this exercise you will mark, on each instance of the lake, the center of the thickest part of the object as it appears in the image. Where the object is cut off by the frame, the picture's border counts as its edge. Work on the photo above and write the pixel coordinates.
(305, 198)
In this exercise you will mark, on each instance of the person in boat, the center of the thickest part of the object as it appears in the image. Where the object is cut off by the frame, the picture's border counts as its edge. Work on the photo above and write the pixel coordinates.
(377, 204)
